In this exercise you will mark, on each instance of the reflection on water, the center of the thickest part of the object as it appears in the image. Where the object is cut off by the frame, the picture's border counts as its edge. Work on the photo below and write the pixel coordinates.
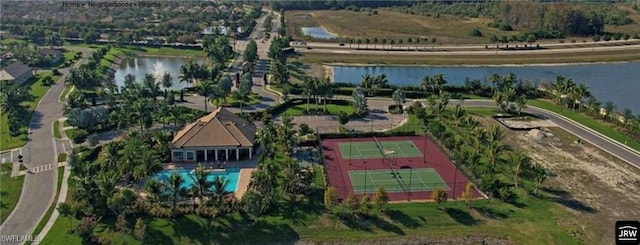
(318, 32)
(616, 82)
(155, 66)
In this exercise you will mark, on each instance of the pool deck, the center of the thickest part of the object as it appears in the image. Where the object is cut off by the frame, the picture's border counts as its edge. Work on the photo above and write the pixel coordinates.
(243, 181)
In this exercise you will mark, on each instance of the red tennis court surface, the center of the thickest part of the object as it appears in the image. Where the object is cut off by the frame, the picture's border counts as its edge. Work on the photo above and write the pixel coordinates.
(338, 167)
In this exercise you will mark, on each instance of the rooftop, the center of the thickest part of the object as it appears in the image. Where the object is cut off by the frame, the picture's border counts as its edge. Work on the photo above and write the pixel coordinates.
(221, 128)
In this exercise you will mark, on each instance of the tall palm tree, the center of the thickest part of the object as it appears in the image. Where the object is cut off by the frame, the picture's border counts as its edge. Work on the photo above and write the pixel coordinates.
(520, 161)
(149, 163)
(579, 93)
(176, 189)
(201, 182)
(426, 83)
(111, 155)
(155, 189)
(205, 88)
(327, 91)
(219, 190)
(498, 98)
(308, 87)
(496, 80)
(166, 81)
(152, 88)
(439, 80)
(521, 101)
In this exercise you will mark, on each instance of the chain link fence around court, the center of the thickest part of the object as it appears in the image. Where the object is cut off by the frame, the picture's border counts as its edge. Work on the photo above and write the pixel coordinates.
(415, 191)
(387, 128)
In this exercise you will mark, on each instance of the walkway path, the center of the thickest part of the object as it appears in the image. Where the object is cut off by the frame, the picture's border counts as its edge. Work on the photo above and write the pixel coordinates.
(39, 189)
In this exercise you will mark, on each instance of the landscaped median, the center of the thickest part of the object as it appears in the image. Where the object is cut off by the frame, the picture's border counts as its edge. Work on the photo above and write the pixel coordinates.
(47, 215)
(600, 127)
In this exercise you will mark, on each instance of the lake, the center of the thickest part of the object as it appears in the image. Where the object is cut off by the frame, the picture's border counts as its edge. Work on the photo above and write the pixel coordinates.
(153, 65)
(318, 32)
(615, 82)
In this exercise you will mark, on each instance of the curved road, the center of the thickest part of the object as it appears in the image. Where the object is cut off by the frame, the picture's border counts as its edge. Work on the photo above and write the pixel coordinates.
(607, 144)
(39, 189)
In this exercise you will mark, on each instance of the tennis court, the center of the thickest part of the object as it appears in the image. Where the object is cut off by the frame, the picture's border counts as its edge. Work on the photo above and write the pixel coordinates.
(370, 150)
(398, 180)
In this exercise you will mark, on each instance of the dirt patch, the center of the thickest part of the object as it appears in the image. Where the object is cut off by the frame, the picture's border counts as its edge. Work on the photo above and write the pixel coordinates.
(595, 186)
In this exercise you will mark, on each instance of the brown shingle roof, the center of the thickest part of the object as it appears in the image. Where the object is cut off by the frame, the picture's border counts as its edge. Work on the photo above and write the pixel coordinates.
(221, 128)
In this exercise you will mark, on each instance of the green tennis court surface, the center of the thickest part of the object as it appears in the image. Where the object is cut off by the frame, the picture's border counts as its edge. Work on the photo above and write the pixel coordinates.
(369, 149)
(424, 179)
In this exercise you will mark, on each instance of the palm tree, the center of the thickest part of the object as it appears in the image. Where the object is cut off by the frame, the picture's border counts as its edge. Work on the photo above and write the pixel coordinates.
(205, 88)
(539, 175)
(326, 91)
(609, 108)
(176, 189)
(520, 161)
(166, 80)
(439, 81)
(219, 190)
(149, 163)
(111, 155)
(201, 182)
(497, 97)
(458, 116)
(579, 92)
(308, 87)
(426, 83)
(521, 101)
(152, 88)
(496, 80)
(375, 42)
(155, 189)
(493, 151)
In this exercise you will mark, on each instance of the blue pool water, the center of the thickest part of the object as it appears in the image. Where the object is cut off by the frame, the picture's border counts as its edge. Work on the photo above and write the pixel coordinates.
(231, 174)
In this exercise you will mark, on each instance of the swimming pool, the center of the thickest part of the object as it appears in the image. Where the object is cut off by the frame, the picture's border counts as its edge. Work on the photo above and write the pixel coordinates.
(231, 174)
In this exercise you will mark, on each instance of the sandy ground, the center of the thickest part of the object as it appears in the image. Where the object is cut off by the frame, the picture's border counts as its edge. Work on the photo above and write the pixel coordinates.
(596, 187)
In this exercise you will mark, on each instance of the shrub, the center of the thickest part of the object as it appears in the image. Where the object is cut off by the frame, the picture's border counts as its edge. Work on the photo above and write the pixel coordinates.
(140, 230)
(475, 32)
(93, 140)
(77, 135)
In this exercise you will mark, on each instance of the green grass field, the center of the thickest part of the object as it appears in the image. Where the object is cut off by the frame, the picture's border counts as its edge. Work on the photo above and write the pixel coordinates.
(333, 109)
(599, 126)
(56, 129)
(369, 150)
(37, 91)
(10, 189)
(399, 180)
(391, 25)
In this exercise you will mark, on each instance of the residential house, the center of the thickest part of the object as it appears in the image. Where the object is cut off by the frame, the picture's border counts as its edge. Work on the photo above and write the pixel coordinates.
(56, 54)
(219, 136)
(15, 73)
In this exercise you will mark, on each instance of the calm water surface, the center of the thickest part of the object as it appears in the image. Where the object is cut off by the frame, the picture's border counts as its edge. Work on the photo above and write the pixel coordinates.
(616, 82)
(156, 66)
(318, 32)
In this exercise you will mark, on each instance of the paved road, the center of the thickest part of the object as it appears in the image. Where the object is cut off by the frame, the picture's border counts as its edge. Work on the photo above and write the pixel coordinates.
(40, 153)
(337, 50)
(428, 45)
(613, 147)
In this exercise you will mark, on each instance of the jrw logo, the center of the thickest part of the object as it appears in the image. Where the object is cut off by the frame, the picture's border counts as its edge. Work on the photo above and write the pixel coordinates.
(627, 233)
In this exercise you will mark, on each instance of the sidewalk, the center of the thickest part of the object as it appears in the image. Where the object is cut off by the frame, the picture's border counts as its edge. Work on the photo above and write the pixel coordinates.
(62, 196)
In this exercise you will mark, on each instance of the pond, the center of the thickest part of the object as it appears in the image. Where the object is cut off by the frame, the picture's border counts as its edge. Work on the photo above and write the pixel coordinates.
(318, 32)
(156, 66)
(615, 82)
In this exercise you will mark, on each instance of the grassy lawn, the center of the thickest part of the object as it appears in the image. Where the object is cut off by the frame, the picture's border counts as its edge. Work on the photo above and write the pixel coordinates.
(148, 51)
(544, 58)
(56, 129)
(400, 221)
(597, 125)
(10, 189)
(333, 109)
(65, 92)
(392, 24)
(413, 124)
(53, 206)
(254, 99)
(37, 91)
